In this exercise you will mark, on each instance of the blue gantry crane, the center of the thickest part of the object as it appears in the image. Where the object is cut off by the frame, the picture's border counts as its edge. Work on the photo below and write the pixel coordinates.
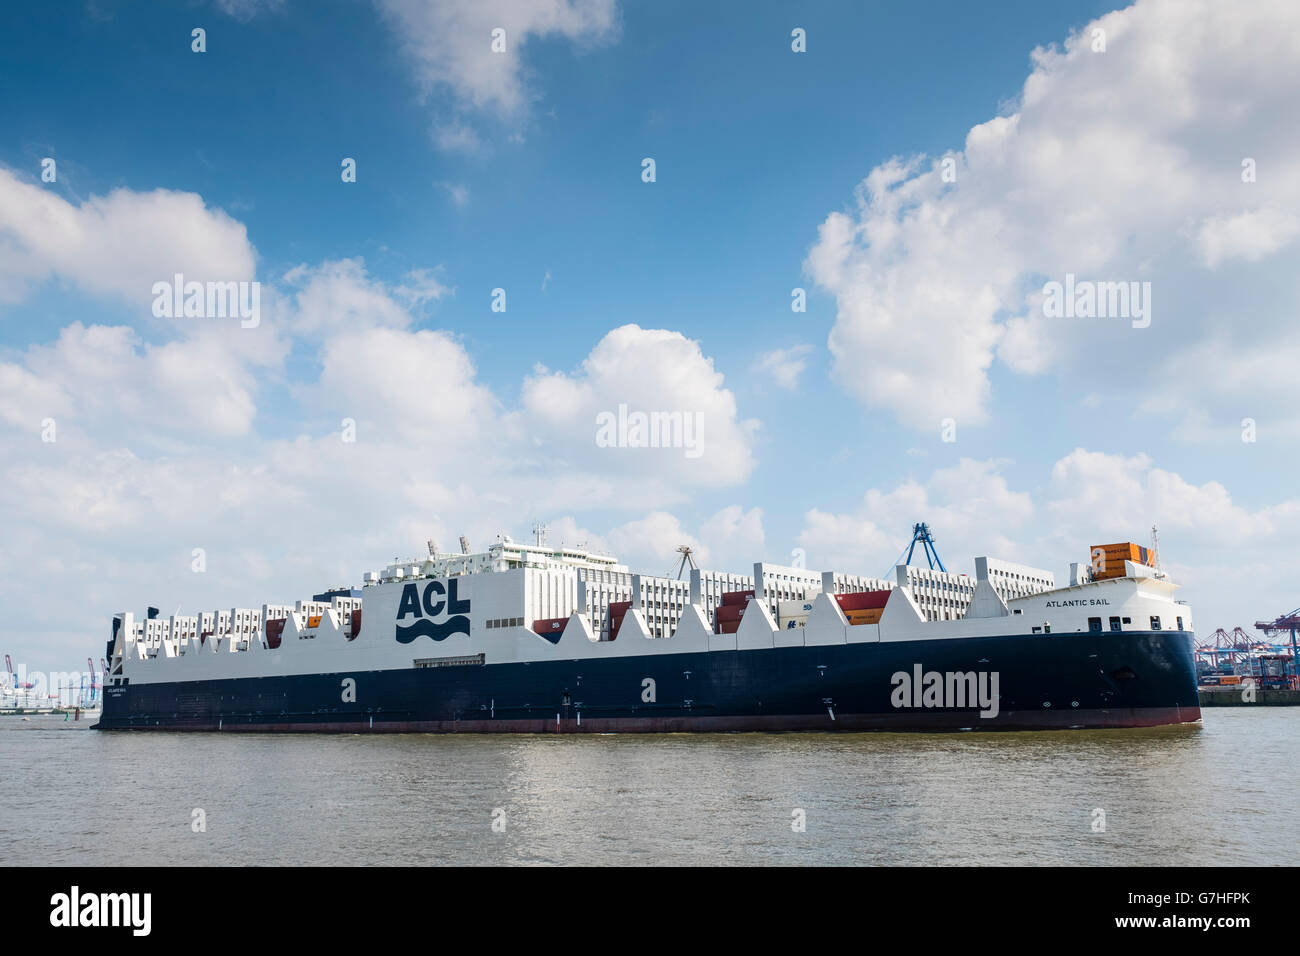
(920, 535)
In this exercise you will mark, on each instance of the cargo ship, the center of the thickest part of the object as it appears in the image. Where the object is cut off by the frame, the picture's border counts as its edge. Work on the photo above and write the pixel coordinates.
(532, 638)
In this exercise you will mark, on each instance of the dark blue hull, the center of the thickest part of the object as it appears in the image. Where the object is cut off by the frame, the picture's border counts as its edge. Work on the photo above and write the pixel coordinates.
(1129, 679)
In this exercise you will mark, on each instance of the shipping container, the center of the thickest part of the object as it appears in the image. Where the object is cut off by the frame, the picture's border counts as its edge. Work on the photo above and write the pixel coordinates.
(313, 620)
(865, 616)
(726, 627)
(1108, 559)
(549, 625)
(732, 612)
(737, 598)
(274, 632)
(617, 609)
(862, 600)
(356, 624)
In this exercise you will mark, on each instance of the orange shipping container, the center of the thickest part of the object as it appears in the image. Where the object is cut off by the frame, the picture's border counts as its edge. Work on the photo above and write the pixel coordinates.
(867, 616)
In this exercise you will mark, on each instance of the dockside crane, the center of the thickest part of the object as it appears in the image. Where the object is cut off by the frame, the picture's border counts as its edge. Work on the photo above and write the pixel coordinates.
(921, 535)
(1287, 622)
(13, 681)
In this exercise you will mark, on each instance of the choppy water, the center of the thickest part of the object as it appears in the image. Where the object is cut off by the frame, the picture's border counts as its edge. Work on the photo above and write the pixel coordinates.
(1224, 793)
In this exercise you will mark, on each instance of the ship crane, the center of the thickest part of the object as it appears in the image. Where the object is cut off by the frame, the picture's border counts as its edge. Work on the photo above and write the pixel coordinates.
(688, 558)
(1287, 622)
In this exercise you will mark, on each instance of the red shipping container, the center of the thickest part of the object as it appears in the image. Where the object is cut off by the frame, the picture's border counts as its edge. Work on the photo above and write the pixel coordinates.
(274, 632)
(356, 624)
(616, 611)
(862, 600)
(737, 598)
(733, 612)
(549, 625)
(726, 627)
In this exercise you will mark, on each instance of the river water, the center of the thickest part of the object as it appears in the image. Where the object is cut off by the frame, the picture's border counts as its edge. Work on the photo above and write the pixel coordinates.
(1222, 793)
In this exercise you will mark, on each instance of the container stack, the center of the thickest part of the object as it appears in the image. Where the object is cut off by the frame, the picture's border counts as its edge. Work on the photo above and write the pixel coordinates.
(793, 614)
(863, 607)
(727, 615)
(1108, 559)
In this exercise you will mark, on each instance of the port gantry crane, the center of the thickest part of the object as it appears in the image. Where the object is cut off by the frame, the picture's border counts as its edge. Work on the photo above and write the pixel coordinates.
(921, 534)
(1287, 622)
(1221, 644)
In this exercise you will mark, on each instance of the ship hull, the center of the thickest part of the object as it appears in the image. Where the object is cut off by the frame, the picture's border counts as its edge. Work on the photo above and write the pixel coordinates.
(1043, 682)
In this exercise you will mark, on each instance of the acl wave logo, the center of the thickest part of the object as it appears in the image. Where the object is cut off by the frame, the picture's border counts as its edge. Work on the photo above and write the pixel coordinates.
(436, 600)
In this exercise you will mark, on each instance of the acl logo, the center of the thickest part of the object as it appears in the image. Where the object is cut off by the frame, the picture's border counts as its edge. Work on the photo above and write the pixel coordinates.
(436, 599)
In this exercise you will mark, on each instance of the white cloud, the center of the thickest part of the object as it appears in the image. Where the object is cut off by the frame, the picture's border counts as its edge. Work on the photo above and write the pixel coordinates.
(970, 509)
(1117, 166)
(1248, 237)
(730, 540)
(450, 42)
(106, 382)
(785, 366)
(118, 245)
(338, 296)
(406, 384)
(649, 371)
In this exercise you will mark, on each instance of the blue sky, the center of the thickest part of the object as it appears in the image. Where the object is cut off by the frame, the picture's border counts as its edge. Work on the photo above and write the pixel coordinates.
(758, 150)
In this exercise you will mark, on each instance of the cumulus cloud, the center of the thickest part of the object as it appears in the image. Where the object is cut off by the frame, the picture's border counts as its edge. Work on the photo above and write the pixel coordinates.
(635, 370)
(341, 296)
(1123, 165)
(106, 381)
(969, 506)
(117, 245)
(406, 384)
(730, 540)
